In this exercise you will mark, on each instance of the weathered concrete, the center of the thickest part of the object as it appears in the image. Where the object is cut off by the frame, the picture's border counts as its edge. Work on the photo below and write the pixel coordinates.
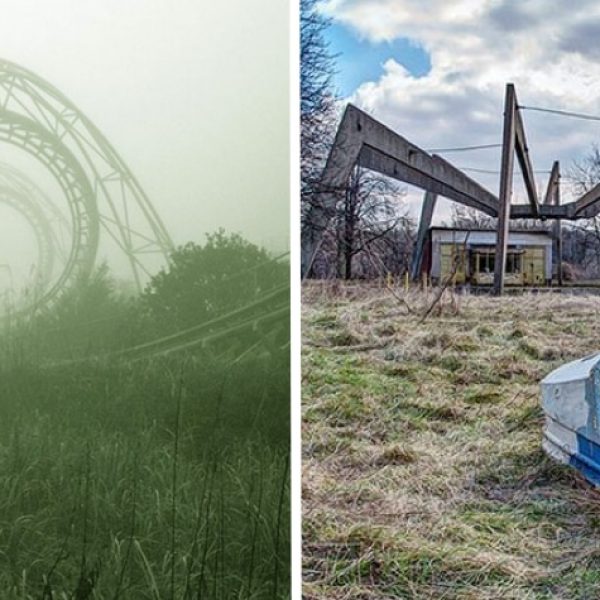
(524, 161)
(424, 224)
(506, 184)
(552, 197)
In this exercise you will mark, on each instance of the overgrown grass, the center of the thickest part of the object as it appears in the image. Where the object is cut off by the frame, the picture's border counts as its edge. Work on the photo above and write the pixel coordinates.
(158, 479)
(423, 470)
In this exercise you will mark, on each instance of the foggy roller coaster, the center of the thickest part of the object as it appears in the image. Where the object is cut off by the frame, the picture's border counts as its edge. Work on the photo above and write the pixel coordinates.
(103, 197)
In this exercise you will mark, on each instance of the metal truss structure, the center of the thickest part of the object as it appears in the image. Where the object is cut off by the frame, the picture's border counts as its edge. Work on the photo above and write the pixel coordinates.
(102, 195)
(362, 140)
(49, 225)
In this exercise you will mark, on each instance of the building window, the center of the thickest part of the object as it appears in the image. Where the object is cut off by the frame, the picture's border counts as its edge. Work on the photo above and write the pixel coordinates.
(513, 263)
(487, 262)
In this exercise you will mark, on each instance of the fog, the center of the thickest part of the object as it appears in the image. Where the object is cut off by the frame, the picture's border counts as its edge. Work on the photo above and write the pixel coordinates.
(193, 96)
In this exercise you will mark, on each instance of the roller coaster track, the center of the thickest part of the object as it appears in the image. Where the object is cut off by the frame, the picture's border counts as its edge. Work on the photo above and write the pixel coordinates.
(264, 311)
(50, 226)
(104, 199)
(262, 315)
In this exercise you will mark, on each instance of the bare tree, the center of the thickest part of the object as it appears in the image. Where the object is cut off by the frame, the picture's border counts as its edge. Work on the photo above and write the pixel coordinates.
(465, 217)
(370, 211)
(583, 248)
(369, 243)
(367, 208)
(585, 173)
(317, 103)
(395, 249)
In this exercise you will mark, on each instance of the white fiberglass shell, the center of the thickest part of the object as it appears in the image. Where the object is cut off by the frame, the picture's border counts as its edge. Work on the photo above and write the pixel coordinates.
(567, 395)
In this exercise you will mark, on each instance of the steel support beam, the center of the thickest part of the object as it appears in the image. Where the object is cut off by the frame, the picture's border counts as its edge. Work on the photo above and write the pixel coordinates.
(429, 202)
(506, 184)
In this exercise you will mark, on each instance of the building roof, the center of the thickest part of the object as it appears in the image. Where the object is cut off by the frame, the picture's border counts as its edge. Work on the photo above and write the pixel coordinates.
(543, 232)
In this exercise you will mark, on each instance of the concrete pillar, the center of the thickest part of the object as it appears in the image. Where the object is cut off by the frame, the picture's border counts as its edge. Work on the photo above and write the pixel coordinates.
(553, 198)
(506, 184)
(558, 232)
(429, 202)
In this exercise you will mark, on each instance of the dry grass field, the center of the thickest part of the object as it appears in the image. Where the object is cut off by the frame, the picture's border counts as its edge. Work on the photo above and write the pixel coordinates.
(423, 473)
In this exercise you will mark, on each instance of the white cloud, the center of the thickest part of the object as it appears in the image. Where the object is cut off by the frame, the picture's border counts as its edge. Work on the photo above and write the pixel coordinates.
(548, 48)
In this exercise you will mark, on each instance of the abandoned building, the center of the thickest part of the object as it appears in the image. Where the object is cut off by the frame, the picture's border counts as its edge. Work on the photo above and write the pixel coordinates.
(467, 256)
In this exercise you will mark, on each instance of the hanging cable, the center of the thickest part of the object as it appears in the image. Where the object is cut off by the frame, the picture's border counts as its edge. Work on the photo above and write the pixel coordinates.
(564, 113)
(476, 170)
(464, 148)
(493, 172)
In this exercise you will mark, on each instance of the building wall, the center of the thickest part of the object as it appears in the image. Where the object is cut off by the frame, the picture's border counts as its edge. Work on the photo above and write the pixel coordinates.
(535, 251)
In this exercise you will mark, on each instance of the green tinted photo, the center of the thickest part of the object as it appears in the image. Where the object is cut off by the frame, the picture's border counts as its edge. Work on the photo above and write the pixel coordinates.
(144, 300)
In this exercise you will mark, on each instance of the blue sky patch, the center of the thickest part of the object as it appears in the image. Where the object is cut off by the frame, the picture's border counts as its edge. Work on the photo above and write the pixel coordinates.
(361, 60)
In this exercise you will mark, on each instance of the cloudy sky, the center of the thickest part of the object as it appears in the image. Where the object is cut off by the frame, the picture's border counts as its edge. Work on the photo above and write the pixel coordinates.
(193, 95)
(435, 71)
